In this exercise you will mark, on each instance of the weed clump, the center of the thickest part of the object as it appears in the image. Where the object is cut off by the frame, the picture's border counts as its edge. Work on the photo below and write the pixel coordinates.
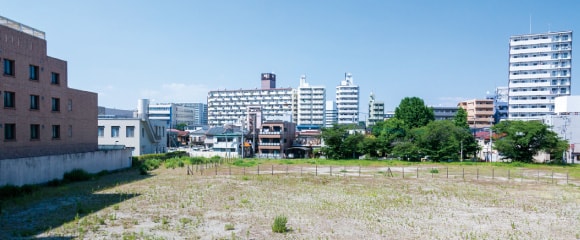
(77, 175)
(279, 225)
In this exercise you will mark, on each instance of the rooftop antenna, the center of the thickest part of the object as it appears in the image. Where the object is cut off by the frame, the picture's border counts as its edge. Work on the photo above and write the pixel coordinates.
(530, 23)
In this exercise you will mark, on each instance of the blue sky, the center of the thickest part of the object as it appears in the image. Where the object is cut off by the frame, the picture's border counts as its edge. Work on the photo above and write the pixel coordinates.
(177, 51)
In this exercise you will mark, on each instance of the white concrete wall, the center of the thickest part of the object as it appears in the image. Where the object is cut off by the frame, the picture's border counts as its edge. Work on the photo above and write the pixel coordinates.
(37, 170)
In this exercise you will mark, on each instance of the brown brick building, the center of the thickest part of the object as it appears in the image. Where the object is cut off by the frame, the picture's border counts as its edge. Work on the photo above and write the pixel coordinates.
(39, 114)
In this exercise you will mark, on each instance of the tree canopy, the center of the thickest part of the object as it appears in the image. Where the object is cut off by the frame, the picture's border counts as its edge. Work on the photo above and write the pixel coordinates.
(460, 118)
(522, 140)
(414, 113)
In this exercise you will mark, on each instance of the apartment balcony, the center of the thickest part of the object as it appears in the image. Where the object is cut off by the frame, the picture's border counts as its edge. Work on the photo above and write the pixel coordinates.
(530, 110)
(533, 93)
(269, 144)
(529, 76)
(531, 50)
(532, 67)
(533, 101)
(529, 85)
(531, 42)
(531, 59)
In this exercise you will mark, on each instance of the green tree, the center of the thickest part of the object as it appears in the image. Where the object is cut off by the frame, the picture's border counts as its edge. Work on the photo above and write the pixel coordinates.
(181, 126)
(460, 118)
(414, 113)
(368, 146)
(443, 140)
(522, 140)
(351, 146)
(333, 138)
(392, 131)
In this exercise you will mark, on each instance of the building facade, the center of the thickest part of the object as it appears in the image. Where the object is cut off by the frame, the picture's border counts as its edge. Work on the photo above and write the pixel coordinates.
(347, 101)
(140, 133)
(500, 103)
(274, 138)
(199, 113)
(376, 111)
(231, 106)
(444, 113)
(331, 114)
(566, 123)
(479, 112)
(310, 104)
(540, 69)
(41, 115)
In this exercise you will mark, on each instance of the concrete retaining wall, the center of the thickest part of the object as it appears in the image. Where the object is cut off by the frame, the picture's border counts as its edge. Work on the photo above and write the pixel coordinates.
(35, 170)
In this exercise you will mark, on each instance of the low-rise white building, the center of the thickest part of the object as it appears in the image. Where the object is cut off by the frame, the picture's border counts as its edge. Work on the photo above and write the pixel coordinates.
(143, 135)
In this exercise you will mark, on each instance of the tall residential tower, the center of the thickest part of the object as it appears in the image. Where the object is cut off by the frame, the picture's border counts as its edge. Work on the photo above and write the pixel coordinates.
(540, 69)
(347, 101)
(310, 105)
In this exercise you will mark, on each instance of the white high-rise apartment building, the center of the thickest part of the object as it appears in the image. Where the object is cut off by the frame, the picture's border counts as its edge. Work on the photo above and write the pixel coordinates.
(540, 69)
(347, 101)
(310, 104)
(331, 113)
(231, 106)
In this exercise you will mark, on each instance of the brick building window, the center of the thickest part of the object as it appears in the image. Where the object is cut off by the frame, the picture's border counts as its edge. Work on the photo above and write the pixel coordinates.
(8, 67)
(55, 131)
(33, 72)
(34, 102)
(9, 99)
(34, 131)
(55, 104)
(54, 78)
(9, 131)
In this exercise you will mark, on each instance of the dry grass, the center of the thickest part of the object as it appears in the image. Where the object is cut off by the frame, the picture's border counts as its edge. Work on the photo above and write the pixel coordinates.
(173, 205)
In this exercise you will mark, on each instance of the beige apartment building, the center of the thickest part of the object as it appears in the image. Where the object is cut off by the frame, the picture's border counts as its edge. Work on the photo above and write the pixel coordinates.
(479, 112)
(39, 114)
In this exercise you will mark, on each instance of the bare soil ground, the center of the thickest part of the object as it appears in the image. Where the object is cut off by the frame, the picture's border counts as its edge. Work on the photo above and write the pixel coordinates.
(169, 204)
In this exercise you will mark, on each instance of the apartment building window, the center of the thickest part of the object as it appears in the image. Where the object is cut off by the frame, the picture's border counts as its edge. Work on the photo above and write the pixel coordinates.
(101, 131)
(55, 104)
(54, 78)
(9, 131)
(565, 38)
(33, 72)
(9, 99)
(34, 131)
(34, 102)
(69, 105)
(70, 130)
(55, 131)
(115, 131)
(8, 67)
(130, 131)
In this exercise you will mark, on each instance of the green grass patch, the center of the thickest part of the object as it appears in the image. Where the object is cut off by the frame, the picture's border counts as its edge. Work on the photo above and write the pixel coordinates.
(245, 163)
(279, 225)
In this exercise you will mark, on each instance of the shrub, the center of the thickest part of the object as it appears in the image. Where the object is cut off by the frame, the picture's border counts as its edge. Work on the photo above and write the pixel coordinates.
(279, 225)
(77, 175)
(54, 182)
(9, 191)
(434, 170)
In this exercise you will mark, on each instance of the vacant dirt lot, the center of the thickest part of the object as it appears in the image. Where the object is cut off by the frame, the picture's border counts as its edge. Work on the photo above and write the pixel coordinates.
(170, 204)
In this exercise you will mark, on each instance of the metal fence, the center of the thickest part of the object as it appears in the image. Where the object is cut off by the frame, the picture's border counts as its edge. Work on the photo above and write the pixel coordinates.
(456, 173)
